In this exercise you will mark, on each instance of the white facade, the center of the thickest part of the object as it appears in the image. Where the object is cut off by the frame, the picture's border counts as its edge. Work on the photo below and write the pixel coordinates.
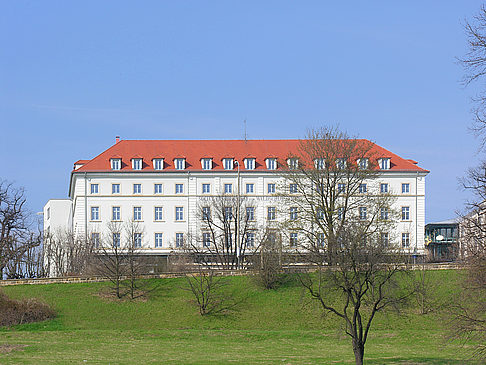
(143, 193)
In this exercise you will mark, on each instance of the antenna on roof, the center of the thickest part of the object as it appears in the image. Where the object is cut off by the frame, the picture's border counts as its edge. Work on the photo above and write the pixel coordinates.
(245, 129)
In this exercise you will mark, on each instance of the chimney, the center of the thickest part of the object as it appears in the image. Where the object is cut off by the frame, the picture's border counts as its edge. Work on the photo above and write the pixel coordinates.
(117, 139)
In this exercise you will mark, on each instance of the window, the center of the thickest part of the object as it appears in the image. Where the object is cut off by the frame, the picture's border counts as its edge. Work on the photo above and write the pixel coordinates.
(405, 239)
(206, 239)
(206, 188)
(179, 214)
(363, 163)
(384, 214)
(228, 163)
(271, 163)
(95, 240)
(228, 188)
(341, 163)
(137, 240)
(383, 188)
(249, 188)
(180, 163)
(293, 163)
(362, 212)
(179, 239)
(320, 163)
(116, 240)
(384, 239)
(95, 213)
(137, 213)
(293, 213)
(405, 213)
(293, 239)
(405, 188)
(321, 239)
(48, 213)
(115, 163)
(137, 188)
(115, 188)
(249, 163)
(137, 163)
(320, 213)
(271, 213)
(157, 188)
(250, 239)
(206, 213)
(341, 188)
(158, 214)
(158, 240)
(384, 163)
(228, 213)
(207, 163)
(250, 213)
(293, 188)
(271, 188)
(158, 163)
(340, 213)
(94, 189)
(179, 188)
(362, 188)
(115, 213)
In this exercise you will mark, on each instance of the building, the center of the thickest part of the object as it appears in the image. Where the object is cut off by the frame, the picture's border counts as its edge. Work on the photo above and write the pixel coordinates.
(160, 184)
(442, 240)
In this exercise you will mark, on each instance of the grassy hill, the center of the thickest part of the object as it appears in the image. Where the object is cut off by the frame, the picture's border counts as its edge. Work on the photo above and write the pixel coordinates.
(281, 326)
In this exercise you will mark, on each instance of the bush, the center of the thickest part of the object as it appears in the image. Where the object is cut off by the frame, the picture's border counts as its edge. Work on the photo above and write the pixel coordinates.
(14, 312)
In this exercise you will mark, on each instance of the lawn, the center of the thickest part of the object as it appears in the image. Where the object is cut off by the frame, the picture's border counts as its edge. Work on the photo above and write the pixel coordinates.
(281, 326)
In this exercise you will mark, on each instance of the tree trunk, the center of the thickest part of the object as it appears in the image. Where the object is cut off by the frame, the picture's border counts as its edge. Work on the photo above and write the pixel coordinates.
(358, 349)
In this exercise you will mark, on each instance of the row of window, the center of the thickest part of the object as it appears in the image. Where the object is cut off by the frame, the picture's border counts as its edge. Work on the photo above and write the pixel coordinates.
(249, 163)
(228, 211)
(206, 239)
(249, 188)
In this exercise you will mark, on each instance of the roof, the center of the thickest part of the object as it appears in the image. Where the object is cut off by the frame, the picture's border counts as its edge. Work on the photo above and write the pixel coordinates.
(446, 222)
(194, 150)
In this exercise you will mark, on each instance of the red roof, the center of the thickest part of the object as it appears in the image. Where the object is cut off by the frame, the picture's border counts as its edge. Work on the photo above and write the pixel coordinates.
(194, 150)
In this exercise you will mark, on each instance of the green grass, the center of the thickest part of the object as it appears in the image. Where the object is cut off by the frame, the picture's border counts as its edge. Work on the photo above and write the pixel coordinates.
(269, 327)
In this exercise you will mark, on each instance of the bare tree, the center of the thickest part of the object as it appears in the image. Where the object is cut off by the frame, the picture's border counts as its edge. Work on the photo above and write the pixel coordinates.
(65, 253)
(120, 260)
(229, 232)
(343, 225)
(474, 64)
(16, 229)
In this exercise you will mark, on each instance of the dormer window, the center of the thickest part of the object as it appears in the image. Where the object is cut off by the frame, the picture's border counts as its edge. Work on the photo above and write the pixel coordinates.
(293, 163)
(320, 163)
(249, 163)
(363, 163)
(271, 163)
(207, 163)
(158, 163)
(341, 163)
(384, 163)
(115, 163)
(137, 163)
(180, 163)
(228, 163)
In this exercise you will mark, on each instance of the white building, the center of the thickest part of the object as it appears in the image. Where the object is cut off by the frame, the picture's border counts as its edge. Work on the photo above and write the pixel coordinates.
(159, 184)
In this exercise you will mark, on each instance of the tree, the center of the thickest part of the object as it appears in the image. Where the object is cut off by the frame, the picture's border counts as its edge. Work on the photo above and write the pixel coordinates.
(474, 64)
(229, 232)
(342, 224)
(119, 259)
(469, 314)
(16, 229)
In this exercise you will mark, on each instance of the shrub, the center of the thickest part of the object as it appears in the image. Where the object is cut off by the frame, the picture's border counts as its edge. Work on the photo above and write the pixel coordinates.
(14, 312)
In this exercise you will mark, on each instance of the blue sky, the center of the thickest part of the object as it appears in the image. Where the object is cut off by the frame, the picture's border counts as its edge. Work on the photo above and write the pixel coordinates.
(74, 75)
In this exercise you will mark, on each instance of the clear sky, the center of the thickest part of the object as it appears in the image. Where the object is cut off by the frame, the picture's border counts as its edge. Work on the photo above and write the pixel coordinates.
(73, 75)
